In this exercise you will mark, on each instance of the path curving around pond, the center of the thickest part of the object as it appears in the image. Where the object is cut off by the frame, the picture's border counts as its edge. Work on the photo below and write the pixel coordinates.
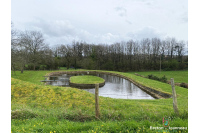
(154, 93)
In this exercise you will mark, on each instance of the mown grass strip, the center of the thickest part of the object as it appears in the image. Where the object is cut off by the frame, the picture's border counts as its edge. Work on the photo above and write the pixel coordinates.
(86, 79)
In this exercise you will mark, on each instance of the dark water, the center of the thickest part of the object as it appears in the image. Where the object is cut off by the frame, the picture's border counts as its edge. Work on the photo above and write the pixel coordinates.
(115, 87)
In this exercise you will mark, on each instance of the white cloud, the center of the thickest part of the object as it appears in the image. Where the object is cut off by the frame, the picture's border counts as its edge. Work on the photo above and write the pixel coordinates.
(55, 28)
(58, 31)
(146, 32)
(102, 21)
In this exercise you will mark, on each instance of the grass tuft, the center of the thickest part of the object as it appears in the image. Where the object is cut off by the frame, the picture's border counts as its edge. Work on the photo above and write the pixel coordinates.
(23, 114)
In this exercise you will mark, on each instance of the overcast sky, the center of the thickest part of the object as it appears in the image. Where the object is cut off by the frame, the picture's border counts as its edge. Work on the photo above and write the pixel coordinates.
(101, 21)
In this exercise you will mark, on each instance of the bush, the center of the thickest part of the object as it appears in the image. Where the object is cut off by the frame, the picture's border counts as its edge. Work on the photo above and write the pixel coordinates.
(173, 64)
(184, 85)
(162, 79)
(153, 77)
(150, 76)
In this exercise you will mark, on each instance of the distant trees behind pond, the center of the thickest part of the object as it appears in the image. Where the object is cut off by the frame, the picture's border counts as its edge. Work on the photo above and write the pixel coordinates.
(29, 51)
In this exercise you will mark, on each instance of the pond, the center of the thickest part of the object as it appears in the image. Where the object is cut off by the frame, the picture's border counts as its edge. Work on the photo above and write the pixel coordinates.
(115, 87)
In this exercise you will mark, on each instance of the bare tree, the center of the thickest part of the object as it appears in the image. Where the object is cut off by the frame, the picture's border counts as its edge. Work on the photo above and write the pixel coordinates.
(14, 49)
(33, 43)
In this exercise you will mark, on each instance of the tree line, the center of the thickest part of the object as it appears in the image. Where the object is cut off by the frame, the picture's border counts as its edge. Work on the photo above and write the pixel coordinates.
(30, 52)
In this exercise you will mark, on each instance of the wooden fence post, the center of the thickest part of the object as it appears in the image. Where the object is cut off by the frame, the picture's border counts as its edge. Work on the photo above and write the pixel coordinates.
(175, 105)
(97, 100)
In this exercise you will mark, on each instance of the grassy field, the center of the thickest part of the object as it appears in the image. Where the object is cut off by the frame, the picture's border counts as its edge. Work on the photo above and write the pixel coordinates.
(39, 108)
(179, 76)
(86, 79)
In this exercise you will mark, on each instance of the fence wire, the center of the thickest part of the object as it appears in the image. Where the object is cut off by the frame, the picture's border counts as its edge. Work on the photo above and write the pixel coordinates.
(150, 102)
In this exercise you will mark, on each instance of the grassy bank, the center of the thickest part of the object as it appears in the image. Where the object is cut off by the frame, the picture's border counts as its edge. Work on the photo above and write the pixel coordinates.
(39, 108)
(179, 76)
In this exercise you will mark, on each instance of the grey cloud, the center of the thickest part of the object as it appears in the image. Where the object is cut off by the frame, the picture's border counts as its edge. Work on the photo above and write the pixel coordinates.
(121, 11)
(129, 22)
(60, 31)
(146, 32)
(55, 28)
(184, 18)
(78, 21)
(64, 32)
(146, 2)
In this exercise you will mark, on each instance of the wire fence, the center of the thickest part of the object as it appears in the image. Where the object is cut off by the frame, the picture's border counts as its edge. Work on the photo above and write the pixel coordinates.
(82, 102)
(112, 109)
(136, 101)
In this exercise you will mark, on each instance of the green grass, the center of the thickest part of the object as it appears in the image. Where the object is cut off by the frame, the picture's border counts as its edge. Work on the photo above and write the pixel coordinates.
(34, 76)
(31, 76)
(51, 125)
(63, 68)
(39, 108)
(179, 76)
(85, 79)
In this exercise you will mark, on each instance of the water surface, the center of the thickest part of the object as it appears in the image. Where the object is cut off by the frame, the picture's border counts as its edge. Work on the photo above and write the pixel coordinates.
(115, 87)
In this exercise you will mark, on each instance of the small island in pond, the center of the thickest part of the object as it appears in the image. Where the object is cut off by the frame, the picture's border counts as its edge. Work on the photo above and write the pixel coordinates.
(86, 81)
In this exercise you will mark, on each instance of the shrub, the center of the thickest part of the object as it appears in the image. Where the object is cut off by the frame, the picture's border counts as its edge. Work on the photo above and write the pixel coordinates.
(153, 77)
(162, 79)
(184, 85)
(150, 76)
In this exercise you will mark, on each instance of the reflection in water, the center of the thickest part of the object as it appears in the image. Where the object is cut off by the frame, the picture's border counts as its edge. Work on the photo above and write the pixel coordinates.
(115, 87)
